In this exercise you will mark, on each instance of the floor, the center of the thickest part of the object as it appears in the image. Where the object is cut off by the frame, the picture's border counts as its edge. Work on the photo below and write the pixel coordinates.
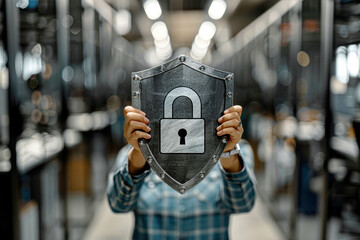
(109, 226)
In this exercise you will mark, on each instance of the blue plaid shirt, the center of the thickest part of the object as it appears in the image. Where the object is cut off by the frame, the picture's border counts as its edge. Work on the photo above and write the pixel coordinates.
(163, 214)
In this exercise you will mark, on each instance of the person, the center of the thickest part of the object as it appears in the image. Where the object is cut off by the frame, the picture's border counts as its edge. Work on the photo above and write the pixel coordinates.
(162, 213)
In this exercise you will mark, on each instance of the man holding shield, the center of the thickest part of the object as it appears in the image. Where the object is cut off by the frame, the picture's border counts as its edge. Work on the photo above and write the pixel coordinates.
(162, 213)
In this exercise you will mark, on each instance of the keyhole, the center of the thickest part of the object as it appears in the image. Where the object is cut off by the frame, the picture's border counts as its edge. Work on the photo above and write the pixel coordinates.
(182, 134)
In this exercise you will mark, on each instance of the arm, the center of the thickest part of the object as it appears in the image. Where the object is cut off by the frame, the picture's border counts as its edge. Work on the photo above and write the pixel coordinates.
(123, 188)
(130, 168)
(238, 194)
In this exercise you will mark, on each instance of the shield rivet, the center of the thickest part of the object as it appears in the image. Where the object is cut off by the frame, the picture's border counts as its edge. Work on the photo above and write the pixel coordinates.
(149, 159)
(182, 190)
(136, 78)
(224, 140)
(229, 94)
(229, 77)
(136, 94)
(215, 158)
(202, 68)
(202, 175)
(182, 59)
(162, 175)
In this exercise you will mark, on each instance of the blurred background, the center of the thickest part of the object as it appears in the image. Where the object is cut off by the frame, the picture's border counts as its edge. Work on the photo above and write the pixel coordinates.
(65, 78)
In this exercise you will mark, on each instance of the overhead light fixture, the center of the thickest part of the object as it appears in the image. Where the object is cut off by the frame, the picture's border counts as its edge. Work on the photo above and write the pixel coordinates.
(123, 22)
(207, 30)
(161, 40)
(164, 53)
(201, 42)
(217, 9)
(159, 30)
(341, 65)
(152, 9)
(353, 60)
(198, 52)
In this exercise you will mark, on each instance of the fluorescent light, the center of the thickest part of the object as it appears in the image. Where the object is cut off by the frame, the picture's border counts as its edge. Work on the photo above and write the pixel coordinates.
(217, 9)
(207, 30)
(123, 22)
(163, 42)
(197, 52)
(152, 9)
(201, 42)
(196, 57)
(341, 65)
(164, 53)
(159, 30)
(353, 60)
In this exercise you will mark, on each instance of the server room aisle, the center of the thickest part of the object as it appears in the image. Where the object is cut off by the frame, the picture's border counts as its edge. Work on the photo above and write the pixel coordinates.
(252, 226)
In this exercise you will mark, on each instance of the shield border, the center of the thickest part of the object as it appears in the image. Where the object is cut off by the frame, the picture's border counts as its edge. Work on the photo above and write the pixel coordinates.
(137, 77)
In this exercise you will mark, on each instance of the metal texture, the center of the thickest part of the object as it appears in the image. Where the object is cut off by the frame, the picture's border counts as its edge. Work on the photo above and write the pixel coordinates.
(182, 98)
(182, 135)
(170, 139)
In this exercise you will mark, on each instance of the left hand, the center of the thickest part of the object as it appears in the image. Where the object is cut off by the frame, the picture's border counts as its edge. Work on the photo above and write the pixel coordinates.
(230, 125)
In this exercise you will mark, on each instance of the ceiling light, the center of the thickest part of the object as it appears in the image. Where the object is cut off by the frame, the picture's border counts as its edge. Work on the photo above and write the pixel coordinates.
(197, 52)
(341, 65)
(201, 42)
(152, 9)
(207, 30)
(353, 60)
(159, 31)
(217, 9)
(123, 22)
(163, 42)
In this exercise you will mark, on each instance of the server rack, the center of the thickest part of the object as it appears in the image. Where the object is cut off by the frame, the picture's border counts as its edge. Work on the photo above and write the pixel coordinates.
(35, 100)
(341, 204)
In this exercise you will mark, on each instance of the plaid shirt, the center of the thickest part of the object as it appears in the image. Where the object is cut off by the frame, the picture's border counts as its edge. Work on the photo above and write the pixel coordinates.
(163, 214)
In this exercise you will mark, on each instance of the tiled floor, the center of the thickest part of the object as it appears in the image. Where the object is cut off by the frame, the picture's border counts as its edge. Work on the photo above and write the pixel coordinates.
(252, 226)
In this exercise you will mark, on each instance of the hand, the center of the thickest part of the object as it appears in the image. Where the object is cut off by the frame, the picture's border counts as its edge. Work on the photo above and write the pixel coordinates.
(135, 127)
(230, 126)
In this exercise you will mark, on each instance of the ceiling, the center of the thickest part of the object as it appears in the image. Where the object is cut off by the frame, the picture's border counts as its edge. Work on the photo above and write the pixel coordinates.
(184, 17)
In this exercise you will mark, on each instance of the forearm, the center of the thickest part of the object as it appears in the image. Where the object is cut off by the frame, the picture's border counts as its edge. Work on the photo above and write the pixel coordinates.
(231, 164)
(123, 187)
(239, 190)
(137, 162)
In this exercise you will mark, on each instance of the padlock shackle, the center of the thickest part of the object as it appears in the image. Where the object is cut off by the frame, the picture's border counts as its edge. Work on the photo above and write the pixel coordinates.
(182, 92)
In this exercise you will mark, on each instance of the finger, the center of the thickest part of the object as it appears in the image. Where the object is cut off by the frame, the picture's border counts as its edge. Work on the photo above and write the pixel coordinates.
(136, 117)
(128, 109)
(229, 116)
(139, 134)
(235, 108)
(231, 123)
(132, 116)
(134, 125)
(235, 135)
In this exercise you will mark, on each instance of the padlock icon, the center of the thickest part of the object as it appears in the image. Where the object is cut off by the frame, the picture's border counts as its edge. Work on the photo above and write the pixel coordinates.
(182, 135)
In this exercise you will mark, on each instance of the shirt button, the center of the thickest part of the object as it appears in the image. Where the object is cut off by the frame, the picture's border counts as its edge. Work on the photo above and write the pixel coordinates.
(181, 208)
(151, 184)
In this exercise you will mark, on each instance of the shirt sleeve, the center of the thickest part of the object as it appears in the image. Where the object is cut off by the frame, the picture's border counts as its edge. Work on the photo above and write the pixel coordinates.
(239, 189)
(123, 188)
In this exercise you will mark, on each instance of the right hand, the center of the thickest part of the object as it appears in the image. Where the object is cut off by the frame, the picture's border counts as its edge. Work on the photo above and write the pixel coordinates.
(135, 126)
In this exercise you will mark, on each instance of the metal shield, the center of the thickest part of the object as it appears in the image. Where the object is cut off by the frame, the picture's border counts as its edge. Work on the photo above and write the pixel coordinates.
(183, 100)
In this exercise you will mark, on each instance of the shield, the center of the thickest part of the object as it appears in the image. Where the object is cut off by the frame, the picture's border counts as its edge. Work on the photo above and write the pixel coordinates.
(183, 100)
